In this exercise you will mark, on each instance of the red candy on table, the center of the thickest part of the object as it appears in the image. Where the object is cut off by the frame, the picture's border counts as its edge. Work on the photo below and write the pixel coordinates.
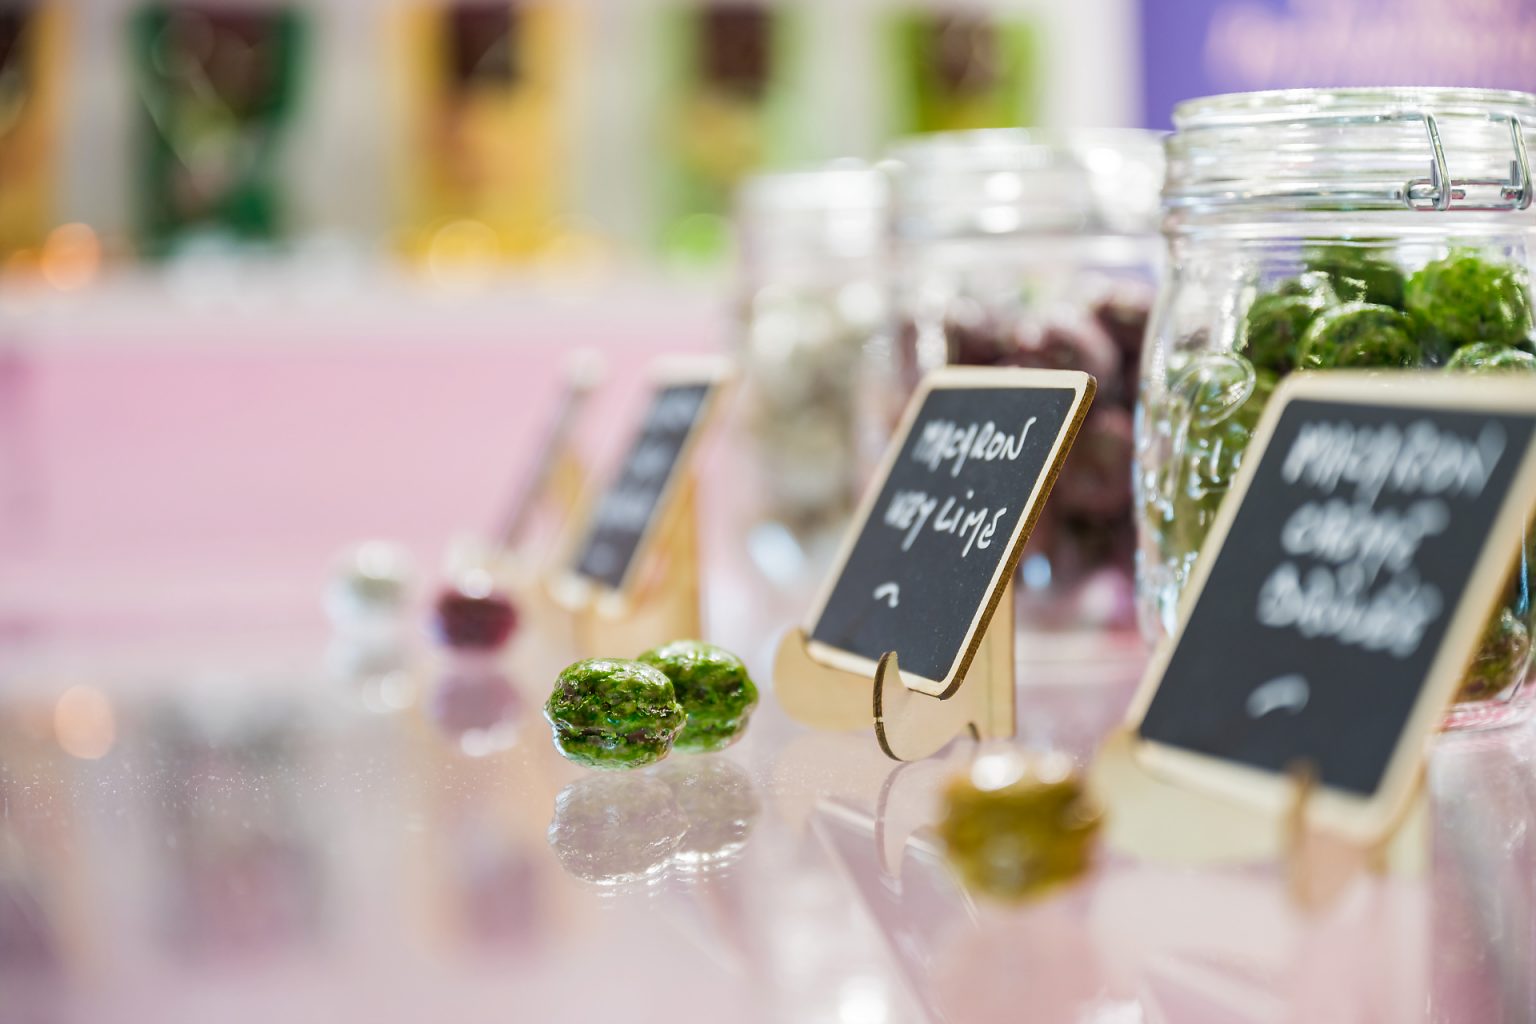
(474, 615)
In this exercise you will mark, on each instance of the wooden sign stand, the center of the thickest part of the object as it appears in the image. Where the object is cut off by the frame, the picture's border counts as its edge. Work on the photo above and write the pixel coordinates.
(564, 494)
(1199, 774)
(909, 723)
(521, 565)
(663, 606)
(841, 670)
(1154, 818)
(904, 805)
(557, 493)
(631, 577)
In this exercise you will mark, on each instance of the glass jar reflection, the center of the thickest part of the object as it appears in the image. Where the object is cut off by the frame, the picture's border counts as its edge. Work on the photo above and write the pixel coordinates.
(476, 706)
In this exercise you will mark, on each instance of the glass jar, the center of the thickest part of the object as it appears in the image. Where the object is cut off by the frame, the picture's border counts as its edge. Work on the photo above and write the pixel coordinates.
(1020, 248)
(809, 300)
(1313, 229)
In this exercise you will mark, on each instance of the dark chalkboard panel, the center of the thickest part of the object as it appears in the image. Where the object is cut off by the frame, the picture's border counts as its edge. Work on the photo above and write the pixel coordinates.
(623, 521)
(1347, 581)
(941, 531)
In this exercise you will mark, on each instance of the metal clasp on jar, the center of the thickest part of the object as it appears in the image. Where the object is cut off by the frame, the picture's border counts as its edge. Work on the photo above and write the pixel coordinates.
(1440, 191)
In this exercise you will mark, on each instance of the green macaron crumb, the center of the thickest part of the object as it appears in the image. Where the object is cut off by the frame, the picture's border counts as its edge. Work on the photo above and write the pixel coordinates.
(609, 713)
(1487, 357)
(1358, 275)
(1501, 657)
(1214, 452)
(1464, 299)
(1274, 327)
(714, 689)
(1350, 308)
(1359, 335)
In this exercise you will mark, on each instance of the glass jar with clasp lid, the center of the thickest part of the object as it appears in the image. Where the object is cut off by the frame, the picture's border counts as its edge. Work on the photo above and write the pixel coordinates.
(809, 301)
(1319, 229)
(1022, 247)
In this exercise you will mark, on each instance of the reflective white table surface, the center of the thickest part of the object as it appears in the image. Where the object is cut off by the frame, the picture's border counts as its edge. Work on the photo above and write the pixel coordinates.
(255, 844)
(213, 810)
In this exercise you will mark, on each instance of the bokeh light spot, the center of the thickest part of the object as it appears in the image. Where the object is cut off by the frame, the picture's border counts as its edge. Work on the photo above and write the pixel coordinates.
(71, 257)
(84, 724)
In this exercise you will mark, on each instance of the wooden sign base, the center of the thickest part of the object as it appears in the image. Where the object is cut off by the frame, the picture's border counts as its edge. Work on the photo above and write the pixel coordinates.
(1155, 819)
(529, 539)
(909, 724)
(523, 571)
(905, 805)
(664, 607)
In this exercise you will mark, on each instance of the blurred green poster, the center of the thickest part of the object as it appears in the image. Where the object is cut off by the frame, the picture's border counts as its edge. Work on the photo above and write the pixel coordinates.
(958, 70)
(217, 86)
(730, 108)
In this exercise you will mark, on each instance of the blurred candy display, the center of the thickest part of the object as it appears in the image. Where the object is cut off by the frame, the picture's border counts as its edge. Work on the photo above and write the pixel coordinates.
(565, 133)
(30, 37)
(959, 70)
(218, 87)
(484, 140)
(730, 63)
(1020, 249)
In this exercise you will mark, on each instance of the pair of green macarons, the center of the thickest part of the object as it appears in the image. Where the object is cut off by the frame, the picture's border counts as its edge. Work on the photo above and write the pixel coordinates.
(613, 713)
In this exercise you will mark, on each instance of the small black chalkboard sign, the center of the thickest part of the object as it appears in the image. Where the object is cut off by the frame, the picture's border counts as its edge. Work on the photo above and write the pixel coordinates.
(625, 517)
(1346, 583)
(939, 535)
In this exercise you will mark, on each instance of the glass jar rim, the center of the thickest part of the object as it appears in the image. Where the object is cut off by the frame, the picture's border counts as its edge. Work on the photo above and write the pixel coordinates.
(1013, 148)
(1014, 181)
(840, 184)
(1423, 148)
(1270, 105)
(835, 211)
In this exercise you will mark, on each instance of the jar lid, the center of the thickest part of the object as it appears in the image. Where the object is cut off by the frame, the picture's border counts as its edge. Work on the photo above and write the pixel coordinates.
(1014, 181)
(835, 211)
(1353, 149)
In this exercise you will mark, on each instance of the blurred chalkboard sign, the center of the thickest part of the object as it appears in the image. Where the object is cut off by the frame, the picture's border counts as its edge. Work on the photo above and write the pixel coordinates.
(627, 516)
(939, 535)
(1345, 586)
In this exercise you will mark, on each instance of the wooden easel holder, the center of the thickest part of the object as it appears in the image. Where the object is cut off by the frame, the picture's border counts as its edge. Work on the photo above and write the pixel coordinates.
(524, 572)
(903, 806)
(1155, 819)
(663, 606)
(909, 723)
(558, 490)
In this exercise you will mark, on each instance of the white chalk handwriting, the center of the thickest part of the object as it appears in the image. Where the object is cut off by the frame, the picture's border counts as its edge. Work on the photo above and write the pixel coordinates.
(945, 441)
(1362, 587)
(1421, 459)
(911, 511)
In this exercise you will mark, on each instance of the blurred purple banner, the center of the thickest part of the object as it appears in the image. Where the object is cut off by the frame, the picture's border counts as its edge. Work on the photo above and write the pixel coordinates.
(1199, 47)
